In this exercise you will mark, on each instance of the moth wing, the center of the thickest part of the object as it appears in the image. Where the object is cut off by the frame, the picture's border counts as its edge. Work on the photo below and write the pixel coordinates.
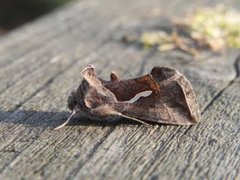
(174, 103)
(158, 111)
(171, 101)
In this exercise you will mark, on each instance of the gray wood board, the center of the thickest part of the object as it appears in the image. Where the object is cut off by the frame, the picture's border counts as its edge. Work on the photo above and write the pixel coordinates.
(40, 64)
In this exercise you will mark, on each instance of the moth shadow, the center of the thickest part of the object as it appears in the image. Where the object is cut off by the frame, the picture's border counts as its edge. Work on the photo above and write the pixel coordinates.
(51, 119)
(80, 121)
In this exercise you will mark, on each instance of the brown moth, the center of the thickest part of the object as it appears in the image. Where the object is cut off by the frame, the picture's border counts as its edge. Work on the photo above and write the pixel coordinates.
(164, 96)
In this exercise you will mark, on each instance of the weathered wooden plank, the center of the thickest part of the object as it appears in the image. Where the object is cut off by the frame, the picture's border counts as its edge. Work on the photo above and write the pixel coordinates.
(26, 39)
(30, 149)
(41, 56)
(44, 135)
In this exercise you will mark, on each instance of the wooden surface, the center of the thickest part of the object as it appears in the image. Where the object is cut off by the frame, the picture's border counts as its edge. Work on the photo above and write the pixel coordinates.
(40, 64)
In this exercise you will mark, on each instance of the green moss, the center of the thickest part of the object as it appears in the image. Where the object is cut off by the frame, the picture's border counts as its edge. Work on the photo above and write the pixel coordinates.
(218, 23)
(208, 28)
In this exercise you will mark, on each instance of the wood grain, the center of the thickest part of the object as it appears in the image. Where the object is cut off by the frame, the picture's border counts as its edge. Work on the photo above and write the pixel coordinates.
(40, 64)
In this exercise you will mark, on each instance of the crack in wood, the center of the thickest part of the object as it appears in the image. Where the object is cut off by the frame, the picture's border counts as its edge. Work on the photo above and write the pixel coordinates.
(219, 94)
(151, 52)
(77, 169)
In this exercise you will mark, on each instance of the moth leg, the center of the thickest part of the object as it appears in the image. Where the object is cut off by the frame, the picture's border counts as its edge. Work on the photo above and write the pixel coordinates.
(67, 121)
(134, 119)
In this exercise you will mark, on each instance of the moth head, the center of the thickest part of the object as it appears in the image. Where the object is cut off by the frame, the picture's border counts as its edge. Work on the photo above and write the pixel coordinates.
(75, 99)
(72, 100)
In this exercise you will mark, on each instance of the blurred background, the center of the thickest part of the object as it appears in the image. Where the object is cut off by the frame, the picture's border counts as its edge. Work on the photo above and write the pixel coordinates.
(16, 12)
(215, 28)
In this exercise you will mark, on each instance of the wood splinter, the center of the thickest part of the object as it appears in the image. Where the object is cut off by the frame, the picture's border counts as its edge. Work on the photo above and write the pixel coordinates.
(164, 96)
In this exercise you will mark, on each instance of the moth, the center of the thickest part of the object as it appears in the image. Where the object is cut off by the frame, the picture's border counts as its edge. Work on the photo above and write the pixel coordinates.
(163, 96)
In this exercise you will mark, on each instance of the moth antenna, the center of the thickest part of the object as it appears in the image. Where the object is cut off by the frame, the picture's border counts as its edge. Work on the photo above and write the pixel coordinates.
(134, 119)
(67, 121)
